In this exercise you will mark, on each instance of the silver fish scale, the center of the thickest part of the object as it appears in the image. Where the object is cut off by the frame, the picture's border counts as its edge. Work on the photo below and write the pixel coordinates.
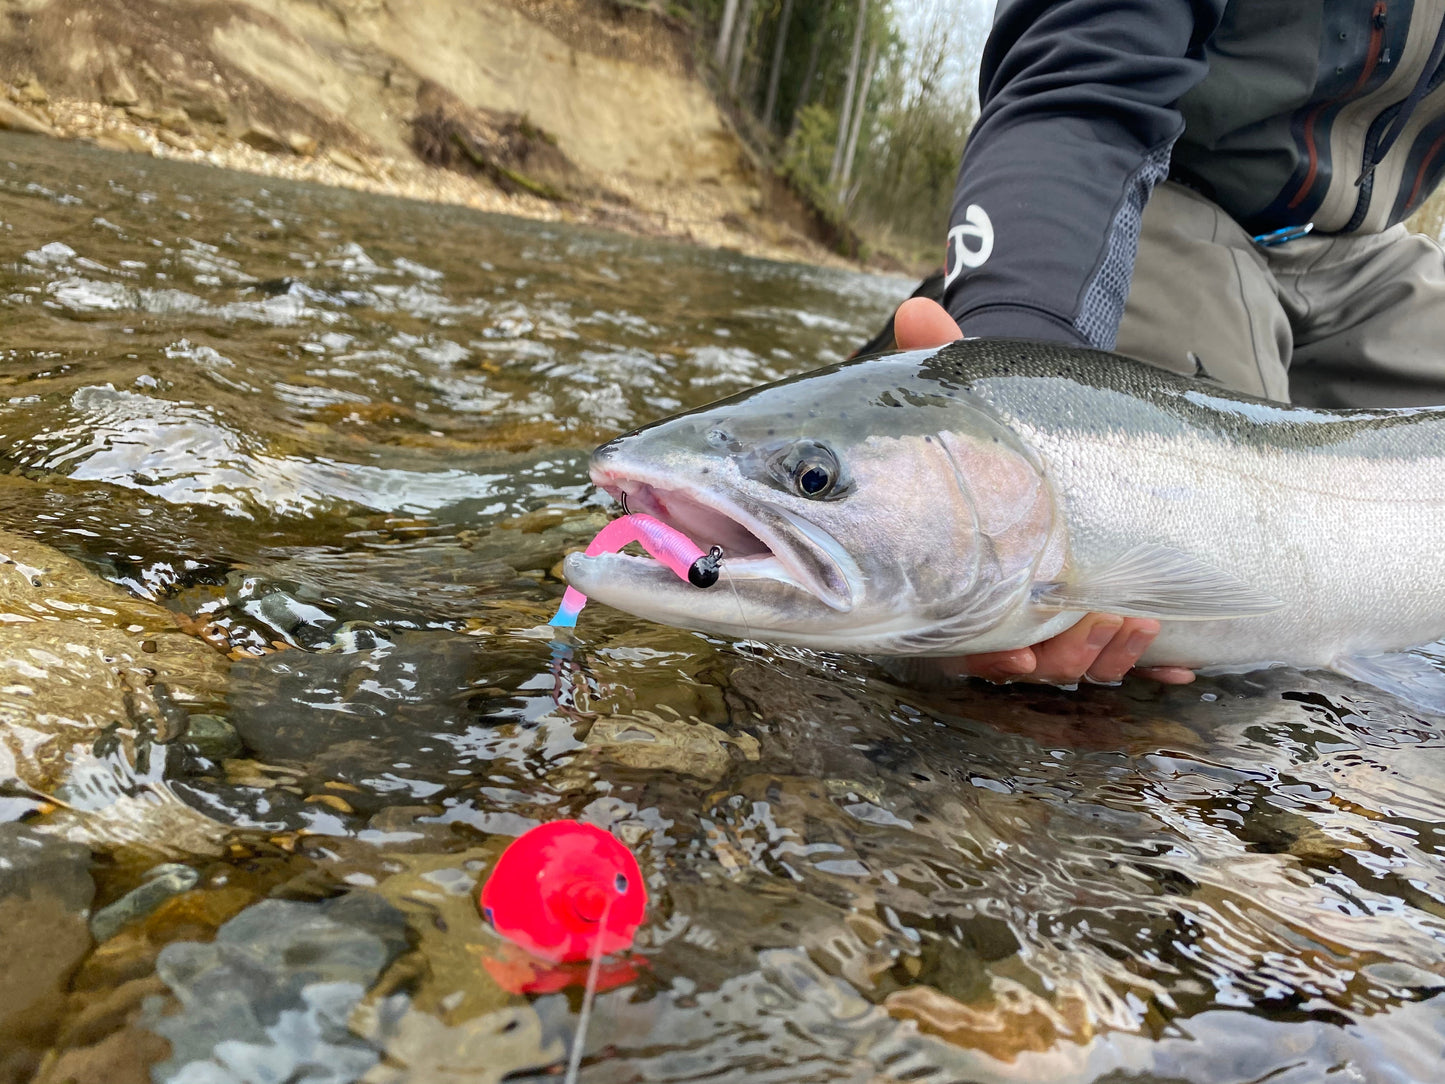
(1341, 514)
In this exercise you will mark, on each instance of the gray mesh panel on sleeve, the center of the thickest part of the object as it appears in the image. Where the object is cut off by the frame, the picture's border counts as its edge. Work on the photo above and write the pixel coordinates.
(1103, 307)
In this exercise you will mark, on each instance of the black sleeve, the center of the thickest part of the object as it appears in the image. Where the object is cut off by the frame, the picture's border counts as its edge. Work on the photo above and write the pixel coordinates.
(1078, 117)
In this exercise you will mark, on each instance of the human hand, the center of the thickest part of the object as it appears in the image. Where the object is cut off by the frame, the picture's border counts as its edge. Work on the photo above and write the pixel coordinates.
(1101, 647)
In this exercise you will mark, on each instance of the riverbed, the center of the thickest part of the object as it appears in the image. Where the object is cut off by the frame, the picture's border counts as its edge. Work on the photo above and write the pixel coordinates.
(288, 472)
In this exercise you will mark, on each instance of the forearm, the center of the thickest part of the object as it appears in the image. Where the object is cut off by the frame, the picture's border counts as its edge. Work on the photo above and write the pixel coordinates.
(1077, 120)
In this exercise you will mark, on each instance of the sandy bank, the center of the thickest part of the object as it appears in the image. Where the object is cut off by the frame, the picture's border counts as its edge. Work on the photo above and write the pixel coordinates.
(563, 110)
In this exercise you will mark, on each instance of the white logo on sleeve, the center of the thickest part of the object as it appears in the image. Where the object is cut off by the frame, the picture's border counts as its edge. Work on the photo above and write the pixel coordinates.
(976, 227)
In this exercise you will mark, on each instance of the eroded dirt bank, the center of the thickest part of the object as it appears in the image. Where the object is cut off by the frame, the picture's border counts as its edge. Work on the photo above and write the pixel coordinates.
(573, 110)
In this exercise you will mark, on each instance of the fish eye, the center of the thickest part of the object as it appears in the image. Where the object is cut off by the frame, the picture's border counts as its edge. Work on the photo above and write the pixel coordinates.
(807, 468)
(812, 470)
(620, 883)
(813, 478)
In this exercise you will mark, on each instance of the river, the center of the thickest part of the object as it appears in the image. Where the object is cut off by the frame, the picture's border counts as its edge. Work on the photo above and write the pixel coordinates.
(288, 472)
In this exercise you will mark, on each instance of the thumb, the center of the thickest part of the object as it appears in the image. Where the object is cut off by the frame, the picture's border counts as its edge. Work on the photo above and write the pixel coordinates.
(921, 322)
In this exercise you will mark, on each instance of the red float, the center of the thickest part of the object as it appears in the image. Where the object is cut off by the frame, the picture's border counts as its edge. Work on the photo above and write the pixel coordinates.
(566, 891)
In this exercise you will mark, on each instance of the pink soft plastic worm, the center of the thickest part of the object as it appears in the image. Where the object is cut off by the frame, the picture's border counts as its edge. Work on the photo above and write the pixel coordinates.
(666, 544)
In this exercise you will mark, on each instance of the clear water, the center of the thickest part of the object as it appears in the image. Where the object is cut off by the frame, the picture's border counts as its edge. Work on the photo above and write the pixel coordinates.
(350, 433)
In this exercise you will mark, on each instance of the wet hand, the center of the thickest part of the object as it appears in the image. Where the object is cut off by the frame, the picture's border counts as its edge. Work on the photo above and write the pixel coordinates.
(1101, 647)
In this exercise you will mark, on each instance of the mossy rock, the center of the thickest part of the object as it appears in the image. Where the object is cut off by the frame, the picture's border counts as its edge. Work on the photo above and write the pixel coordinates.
(80, 657)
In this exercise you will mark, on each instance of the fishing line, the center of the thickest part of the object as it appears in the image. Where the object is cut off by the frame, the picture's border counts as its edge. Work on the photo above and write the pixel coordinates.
(579, 1040)
(723, 568)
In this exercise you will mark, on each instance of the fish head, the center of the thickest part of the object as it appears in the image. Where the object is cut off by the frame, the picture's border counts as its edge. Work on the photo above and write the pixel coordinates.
(873, 507)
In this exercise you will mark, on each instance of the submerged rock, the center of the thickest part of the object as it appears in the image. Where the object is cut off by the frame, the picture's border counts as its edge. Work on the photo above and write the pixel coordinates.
(270, 997)
(355, 713)
(45, 889)
(1009, 1021)
(649, 741)
(213, 737)
(78, 656)
(485, 1050)
(162, 882)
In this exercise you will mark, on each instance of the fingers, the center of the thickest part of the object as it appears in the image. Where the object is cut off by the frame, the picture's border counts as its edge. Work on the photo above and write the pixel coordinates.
(1118, 654)
(921, 322)
(999, 666)
(1101, 647)
(1167, 675)
(1065, 659)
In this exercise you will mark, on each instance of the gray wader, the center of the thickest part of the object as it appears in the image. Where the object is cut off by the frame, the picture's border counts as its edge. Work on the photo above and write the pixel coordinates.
(1330, 321)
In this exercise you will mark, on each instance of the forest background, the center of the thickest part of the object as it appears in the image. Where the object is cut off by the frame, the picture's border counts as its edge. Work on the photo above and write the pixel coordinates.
(865, 104)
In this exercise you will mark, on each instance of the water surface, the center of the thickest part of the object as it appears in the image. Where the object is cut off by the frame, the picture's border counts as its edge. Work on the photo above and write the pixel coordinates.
(343, 437)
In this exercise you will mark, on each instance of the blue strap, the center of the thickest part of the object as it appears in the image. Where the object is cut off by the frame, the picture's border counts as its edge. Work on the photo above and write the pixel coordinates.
(1282, 236)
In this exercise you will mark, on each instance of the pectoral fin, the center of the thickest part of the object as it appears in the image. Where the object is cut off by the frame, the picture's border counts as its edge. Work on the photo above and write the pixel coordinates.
(1157, 581)
(1412, 678)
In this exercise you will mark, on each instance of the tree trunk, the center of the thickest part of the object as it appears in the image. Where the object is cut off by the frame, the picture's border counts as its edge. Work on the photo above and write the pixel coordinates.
(725, 34)
(858, 114)
(812, 69)
(740, 45)
(773, 76)
(842, 137)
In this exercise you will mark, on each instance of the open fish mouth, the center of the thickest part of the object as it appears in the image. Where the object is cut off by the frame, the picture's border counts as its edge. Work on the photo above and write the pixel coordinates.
(758, 542)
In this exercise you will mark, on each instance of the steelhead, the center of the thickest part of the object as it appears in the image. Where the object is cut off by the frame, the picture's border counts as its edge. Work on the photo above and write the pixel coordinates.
(988, 494)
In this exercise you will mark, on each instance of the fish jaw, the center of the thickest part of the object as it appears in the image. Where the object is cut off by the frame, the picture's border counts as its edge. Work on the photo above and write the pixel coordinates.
(754, 594)
(779, 572)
